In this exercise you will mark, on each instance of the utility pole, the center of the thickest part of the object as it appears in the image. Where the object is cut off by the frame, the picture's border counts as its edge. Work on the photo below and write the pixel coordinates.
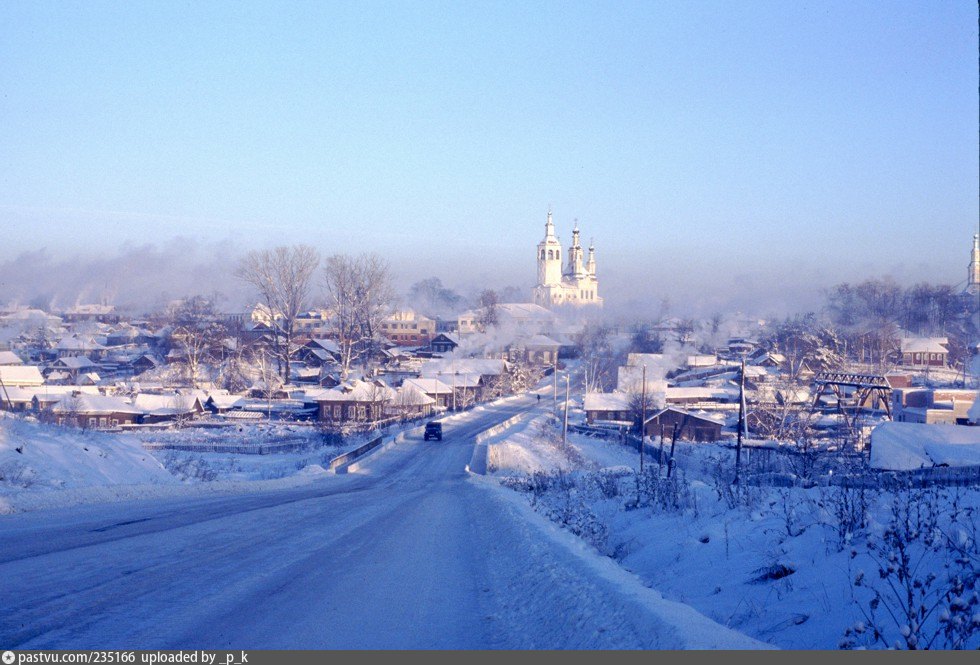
(643, 415)
(454, 380)
(673, 442)
(555, 376)
(564, 431)
(741, 419)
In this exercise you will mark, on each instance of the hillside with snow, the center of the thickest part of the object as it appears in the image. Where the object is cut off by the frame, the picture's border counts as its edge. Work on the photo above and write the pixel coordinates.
(36, 459)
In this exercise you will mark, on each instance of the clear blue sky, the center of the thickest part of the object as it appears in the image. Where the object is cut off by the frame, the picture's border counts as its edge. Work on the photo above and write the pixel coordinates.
(680, 134)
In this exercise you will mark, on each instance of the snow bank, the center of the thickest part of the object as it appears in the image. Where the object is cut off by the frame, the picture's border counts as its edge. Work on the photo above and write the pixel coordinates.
(909, 446)
(36, 456)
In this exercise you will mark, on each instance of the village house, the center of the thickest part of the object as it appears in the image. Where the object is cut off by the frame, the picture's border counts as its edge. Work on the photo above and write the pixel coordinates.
(408, 328)
(444, 343)
(441, 392)
(608, 408)
(471, 378)
(932, 406)
(100, 313)
(690, 426)
(79, 345)
(167, 408)
(69, 368)
(534, 350)
(411, 402)
(701, 396)
(20, 376)
(8, 358)
(94, 411)
(522, 318)
(354, 402)
(924, 352)
(319, 352)
(144, 363)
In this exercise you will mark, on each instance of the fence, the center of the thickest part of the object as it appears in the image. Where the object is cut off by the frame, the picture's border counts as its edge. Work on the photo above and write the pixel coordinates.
(353, 455)
(232, 448)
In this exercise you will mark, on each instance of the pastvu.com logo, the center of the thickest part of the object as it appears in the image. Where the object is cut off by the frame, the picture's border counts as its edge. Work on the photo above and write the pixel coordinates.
(8, 657)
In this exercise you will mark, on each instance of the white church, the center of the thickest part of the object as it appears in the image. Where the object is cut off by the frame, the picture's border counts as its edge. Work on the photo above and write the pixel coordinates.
(576, 284)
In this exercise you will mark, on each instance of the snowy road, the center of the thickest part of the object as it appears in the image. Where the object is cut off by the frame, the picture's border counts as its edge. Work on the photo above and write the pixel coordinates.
(409, 552)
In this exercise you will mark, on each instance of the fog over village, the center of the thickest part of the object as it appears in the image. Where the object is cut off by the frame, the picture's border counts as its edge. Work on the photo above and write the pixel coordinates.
(420, 326)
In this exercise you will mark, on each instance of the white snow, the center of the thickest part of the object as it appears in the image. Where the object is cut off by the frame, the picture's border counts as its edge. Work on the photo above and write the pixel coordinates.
(898, 446)
(706, 553)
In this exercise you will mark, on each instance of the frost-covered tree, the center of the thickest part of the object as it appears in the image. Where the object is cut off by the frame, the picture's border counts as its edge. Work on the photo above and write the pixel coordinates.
(361, 296)
(283, 278)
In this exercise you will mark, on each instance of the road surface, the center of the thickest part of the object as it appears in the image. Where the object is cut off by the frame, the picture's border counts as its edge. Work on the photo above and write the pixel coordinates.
(408, 552)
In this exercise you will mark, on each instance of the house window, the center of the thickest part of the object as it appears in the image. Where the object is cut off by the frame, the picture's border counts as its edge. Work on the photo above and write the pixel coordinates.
(115, 422)
(336, 411)
(361, 412)
(91, 422)
(102, 422)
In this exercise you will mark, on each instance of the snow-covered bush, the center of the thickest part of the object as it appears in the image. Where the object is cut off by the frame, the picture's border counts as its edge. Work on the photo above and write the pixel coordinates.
(189, 468)
(844, 512)
(925, 593)
(652, 490)
(17, 474)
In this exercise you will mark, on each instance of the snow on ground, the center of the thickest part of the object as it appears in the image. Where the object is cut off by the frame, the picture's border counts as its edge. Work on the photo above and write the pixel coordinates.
(40, 459)
(58, 467)
(775, 563)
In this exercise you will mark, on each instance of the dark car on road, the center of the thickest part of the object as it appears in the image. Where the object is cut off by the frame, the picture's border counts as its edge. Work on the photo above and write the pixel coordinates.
(433, 430)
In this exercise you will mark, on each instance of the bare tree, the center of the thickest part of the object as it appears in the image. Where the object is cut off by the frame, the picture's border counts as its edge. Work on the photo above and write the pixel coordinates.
(282, 277)
(199, 347)
(599, 359)
(361, 297)
(489, 314)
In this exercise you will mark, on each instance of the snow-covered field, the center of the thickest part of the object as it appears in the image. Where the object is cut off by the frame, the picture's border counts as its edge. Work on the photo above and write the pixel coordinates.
(776, 563)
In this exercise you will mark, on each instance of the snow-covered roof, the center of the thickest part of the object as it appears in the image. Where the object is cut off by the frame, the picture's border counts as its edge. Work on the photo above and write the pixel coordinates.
(452, 337)
(897, 446)
(446, 366)
(701, 415)
(75, 362)
(606, 402)
(701, 393)
(89, 377)
(411, 395)
(326, 344)
(78, 343)
(539, 341)
(430, 386)
(10, 358)
(358, 391)
(225, 401)
(165, 405)
(94, 404)
(20, 375)
(925, 345)
(648, 359)
(702, 360)
(51, 394)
